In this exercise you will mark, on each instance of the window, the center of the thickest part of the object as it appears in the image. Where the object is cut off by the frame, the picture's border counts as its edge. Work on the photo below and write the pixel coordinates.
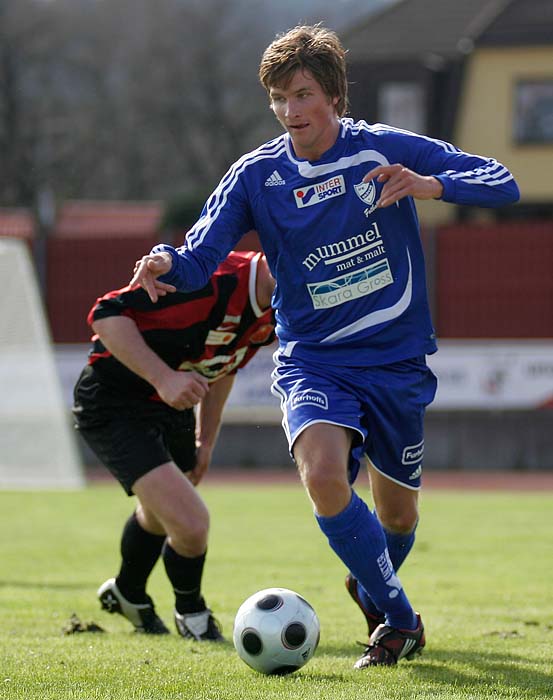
(401, 104)
(534, 111)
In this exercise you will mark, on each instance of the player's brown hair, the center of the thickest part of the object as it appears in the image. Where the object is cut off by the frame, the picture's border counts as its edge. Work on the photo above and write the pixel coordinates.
(311, 48)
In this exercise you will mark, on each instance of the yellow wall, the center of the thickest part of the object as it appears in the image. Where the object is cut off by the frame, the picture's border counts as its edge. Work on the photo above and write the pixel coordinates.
(485, 122)
(433, 213)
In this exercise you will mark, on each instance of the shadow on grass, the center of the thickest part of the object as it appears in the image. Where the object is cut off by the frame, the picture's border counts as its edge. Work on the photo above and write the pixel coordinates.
(468, 670)
(492, 668)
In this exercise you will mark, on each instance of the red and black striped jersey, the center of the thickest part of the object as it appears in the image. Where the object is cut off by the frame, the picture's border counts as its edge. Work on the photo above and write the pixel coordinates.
(214, 331)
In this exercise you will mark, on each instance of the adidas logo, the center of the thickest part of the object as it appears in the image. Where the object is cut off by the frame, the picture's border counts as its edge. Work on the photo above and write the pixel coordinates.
(274, 179)
(416, 473)
(408, 645)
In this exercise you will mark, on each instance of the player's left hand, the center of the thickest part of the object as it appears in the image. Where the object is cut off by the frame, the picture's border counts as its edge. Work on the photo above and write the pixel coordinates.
(401, 182)
(203, 460)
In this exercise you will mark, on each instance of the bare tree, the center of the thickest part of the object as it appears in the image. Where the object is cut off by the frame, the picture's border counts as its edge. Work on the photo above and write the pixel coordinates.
(24, 32)
(129, 98)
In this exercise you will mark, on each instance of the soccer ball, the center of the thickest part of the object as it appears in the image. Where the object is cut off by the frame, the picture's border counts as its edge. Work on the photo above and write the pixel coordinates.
(276, 631)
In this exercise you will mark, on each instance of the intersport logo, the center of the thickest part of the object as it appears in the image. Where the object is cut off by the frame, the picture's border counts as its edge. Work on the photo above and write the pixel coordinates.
(315, 194)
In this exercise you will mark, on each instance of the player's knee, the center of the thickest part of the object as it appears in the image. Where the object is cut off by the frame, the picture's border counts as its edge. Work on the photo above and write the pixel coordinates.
(399, 522)
(190, 542)
(324, 484)
(318, 479)
(189, 534)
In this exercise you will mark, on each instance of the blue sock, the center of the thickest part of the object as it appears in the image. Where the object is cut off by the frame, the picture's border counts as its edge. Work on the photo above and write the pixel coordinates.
(399, 546)
(358, 539)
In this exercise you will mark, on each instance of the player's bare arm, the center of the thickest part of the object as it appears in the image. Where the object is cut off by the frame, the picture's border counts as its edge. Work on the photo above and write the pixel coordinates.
(401, 182)
(208, 422)
(148, 269)
(122, 338)
(264, 284)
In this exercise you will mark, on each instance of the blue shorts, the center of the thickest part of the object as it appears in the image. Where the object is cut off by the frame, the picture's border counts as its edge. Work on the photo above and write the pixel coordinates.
(383, 405)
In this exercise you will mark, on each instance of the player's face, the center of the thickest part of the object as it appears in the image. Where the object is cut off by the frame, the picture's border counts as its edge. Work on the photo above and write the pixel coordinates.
(307, 114)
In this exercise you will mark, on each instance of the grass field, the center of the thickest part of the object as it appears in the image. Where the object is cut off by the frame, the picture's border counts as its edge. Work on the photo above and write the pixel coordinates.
(481, 573)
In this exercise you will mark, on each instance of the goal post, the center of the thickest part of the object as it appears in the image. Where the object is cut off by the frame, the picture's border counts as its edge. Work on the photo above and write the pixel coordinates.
(38, 449)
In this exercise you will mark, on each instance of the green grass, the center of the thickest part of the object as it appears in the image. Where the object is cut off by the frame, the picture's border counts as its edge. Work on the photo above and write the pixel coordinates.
(481, 573)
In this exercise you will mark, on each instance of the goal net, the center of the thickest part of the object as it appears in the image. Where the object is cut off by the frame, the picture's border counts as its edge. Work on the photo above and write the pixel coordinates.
(37, 447)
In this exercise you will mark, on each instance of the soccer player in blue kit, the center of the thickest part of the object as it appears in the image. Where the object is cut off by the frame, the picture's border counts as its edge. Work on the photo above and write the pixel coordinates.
(333, 203)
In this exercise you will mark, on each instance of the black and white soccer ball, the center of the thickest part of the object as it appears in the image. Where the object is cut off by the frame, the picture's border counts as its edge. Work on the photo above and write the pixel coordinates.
(276, 631)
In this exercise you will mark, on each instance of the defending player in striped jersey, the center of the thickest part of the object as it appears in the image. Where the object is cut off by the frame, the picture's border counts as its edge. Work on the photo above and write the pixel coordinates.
(333, 203)
(148, 366)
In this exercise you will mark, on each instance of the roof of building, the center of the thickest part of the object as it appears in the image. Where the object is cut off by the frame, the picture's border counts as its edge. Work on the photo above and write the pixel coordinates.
(522, 22)
(447, 29)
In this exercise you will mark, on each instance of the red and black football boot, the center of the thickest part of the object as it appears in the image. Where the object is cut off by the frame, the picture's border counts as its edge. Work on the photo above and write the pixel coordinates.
(387, 645)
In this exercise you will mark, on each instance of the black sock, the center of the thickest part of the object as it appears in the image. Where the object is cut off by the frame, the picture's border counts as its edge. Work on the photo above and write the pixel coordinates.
(185, 574)
(139, 551)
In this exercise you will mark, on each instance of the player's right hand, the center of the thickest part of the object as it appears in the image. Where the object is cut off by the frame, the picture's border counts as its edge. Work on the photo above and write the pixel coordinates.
(400, 182)
(182, 390)
(148, 269)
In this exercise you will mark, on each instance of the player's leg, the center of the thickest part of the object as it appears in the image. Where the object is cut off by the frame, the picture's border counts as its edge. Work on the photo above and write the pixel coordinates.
(133, 438)
(322, 454)
(396, 397)
(322, 420)
(141, 544)
(325, 422)
(177, 506)
(169, 504)
(122, 433)
(168, 497)
(397, 511)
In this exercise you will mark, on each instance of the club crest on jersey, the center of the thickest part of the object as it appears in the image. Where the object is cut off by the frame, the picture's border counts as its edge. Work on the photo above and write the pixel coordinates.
(366, 191)
(315, 194)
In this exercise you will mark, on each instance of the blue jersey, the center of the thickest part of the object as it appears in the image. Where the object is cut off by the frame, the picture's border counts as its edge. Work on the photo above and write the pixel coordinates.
(351, 285)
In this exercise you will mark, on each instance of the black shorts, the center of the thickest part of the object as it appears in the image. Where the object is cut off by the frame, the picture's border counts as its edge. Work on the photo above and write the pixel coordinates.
(132, 436)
